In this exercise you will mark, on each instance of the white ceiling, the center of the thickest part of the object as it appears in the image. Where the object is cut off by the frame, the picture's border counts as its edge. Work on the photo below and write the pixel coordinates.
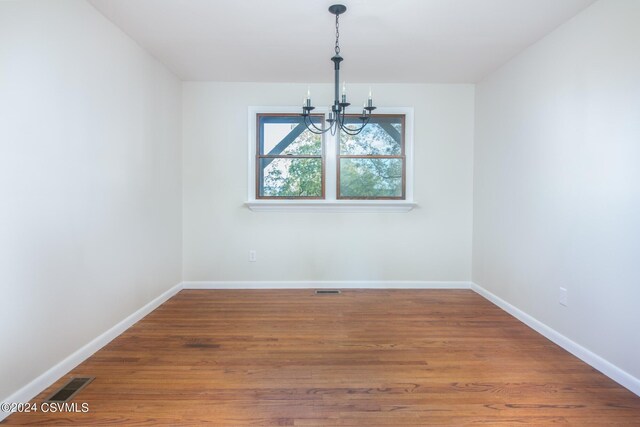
(436, 41)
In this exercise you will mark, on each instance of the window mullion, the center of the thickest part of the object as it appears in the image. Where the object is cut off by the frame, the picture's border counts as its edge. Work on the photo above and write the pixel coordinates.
(331, 149)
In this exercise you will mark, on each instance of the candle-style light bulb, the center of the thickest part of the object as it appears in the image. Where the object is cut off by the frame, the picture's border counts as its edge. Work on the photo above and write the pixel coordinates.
(309, 93)
(344, 88)
(370, 98)
(369, 92)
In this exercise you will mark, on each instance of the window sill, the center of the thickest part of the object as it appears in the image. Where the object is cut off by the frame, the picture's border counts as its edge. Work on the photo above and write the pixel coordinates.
(369, 206)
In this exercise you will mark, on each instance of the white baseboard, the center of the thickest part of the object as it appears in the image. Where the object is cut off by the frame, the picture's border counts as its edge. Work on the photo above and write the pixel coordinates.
(360, 284)
(609, 369)
(39, 384)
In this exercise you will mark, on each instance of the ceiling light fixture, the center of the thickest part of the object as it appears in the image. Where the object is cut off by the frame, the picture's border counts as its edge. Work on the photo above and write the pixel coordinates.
(338, 116)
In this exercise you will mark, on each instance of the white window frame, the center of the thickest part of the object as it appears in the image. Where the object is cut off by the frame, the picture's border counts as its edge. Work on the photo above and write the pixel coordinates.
(330, 203)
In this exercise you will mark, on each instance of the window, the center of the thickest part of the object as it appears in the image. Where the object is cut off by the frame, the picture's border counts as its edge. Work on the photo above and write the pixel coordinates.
(371, 165)
(290, 167)
(290, 160)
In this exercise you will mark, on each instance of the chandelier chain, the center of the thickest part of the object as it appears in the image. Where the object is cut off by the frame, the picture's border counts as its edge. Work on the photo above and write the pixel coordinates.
(337, 35)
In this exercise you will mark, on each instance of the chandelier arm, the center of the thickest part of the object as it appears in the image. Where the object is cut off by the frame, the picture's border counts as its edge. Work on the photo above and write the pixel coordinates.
(314, 132)
(348, 130)
(352, 132)
(312, 127)
(344, 116)
(309, 128)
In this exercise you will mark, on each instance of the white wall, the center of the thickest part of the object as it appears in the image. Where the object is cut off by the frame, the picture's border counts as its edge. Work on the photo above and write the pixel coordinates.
(90, 182)
(556, 182)
(432, 242)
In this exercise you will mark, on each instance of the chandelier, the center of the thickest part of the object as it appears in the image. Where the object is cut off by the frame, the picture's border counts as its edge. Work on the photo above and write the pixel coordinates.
(337, 116)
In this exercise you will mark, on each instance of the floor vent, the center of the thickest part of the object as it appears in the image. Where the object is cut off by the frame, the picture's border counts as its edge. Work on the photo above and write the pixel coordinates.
(70, 389)
(327, 291)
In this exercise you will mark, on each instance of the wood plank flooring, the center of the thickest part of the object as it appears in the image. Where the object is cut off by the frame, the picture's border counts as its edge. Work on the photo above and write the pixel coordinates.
(362, 358)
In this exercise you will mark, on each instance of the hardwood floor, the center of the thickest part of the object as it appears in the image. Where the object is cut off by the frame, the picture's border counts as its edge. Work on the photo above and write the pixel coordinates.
(362, 358)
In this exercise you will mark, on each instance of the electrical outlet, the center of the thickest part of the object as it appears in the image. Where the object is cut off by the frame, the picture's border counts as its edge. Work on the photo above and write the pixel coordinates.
(564, 297)
(253, 255)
